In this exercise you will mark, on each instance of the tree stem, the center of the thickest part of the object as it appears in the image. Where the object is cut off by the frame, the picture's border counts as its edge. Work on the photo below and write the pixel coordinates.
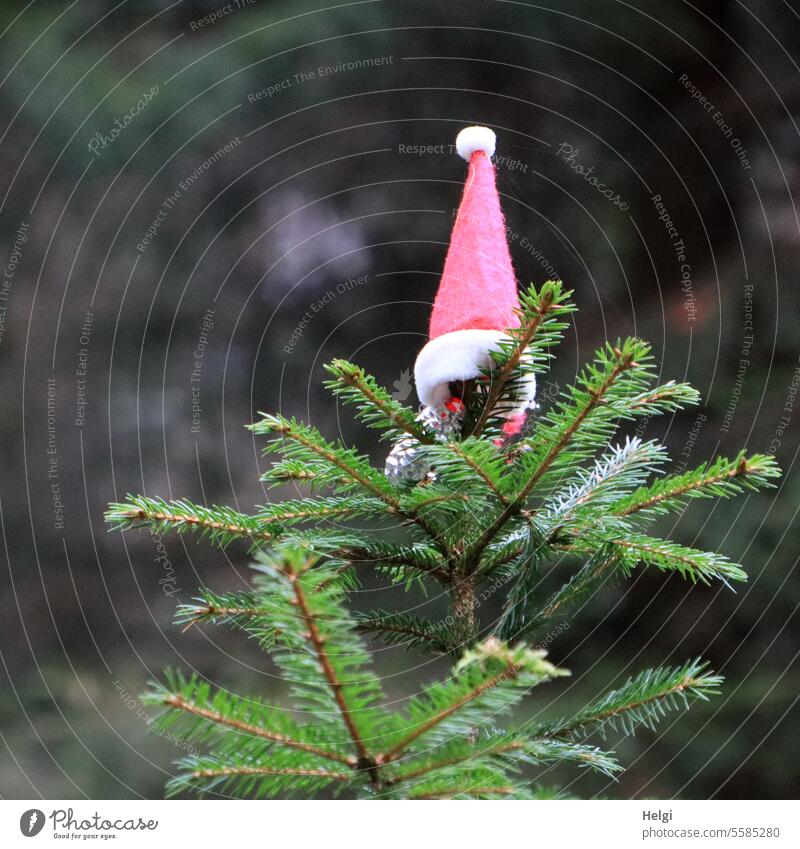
(463, 608)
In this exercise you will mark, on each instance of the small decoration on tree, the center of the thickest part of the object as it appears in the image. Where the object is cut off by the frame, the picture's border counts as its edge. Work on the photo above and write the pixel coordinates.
(406, 460)
(475, 306)
(495, 517)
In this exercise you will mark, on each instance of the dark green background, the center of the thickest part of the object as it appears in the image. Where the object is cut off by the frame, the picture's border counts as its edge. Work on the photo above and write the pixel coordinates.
(316, 193)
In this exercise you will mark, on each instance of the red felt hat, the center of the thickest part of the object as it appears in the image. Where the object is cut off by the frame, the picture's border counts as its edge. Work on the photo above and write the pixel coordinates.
(478, 290)
(477, 298)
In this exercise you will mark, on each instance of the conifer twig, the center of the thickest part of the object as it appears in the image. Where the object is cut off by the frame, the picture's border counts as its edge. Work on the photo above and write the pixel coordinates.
(177, 702)
(454, 761)
(507, 369)
(595, 398)
(505, 790)
(285, 428)
(479, 471)
(394, 627)
(191, 615)
(509, 673)
(264, 770)
(357, 555)
(279, 425)
(346, 374)
(724, 477)
(517, 502)
(590, 575)
(322, 655)
(141, 511)
(640, 701)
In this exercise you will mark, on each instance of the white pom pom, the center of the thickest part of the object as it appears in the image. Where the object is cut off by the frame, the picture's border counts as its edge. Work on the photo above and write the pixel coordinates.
(471, 139)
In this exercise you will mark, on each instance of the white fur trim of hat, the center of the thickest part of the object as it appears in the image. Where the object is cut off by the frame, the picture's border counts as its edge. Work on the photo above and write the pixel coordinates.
(462, 355)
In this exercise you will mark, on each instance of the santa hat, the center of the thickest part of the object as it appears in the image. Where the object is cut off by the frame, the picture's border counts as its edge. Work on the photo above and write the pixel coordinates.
(477, 298)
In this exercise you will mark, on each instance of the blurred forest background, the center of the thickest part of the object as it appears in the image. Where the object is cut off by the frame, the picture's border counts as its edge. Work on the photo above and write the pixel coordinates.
(204, 202)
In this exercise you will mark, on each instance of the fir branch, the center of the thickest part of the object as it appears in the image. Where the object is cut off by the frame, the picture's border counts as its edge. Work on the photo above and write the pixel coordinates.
(690, 563)
(668, 556)
(310, 442)
(404, 629)
(466, 792)
(296, 471)
(615, 363)
(467, 754)
(221, 524)
(508, 749)
(472, 461)
(265, 770)
(525, 572)
(396, 560)
(490, 666)
(243, 732)
(642, 701)
(177, 702)
(721, 479)
(251, 776)
(318, 642)
(616, 472)
(540, 316)
(375, 405)
(613, 389)
(603, 566)
(343, 460)
(510, 673)
(598, 380)
(317, 509)
(424, 498)
(667, 398)
(522, 548)
(245, 611)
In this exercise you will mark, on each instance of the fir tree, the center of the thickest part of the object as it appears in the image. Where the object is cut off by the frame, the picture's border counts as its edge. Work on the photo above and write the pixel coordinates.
(540, 522)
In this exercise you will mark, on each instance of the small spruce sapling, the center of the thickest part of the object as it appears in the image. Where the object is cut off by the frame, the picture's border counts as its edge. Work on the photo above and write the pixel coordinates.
(570, 499)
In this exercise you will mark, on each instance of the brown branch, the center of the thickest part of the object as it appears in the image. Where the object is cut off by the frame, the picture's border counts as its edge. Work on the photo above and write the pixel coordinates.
(178, 519)
(600, 718)
(474, 791)
(318, 642)
(290, 515)
(356, 556)
(377, 491)
(423, 770)
(509, 673)
(741, 470)
(506, 370)
(655, 395)
(456, 449)
(462, 606)
(357, 382)
(177, 702)
(211, 611)
(263, 770)
(287, 431)
(299, 475)
(516, 504)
